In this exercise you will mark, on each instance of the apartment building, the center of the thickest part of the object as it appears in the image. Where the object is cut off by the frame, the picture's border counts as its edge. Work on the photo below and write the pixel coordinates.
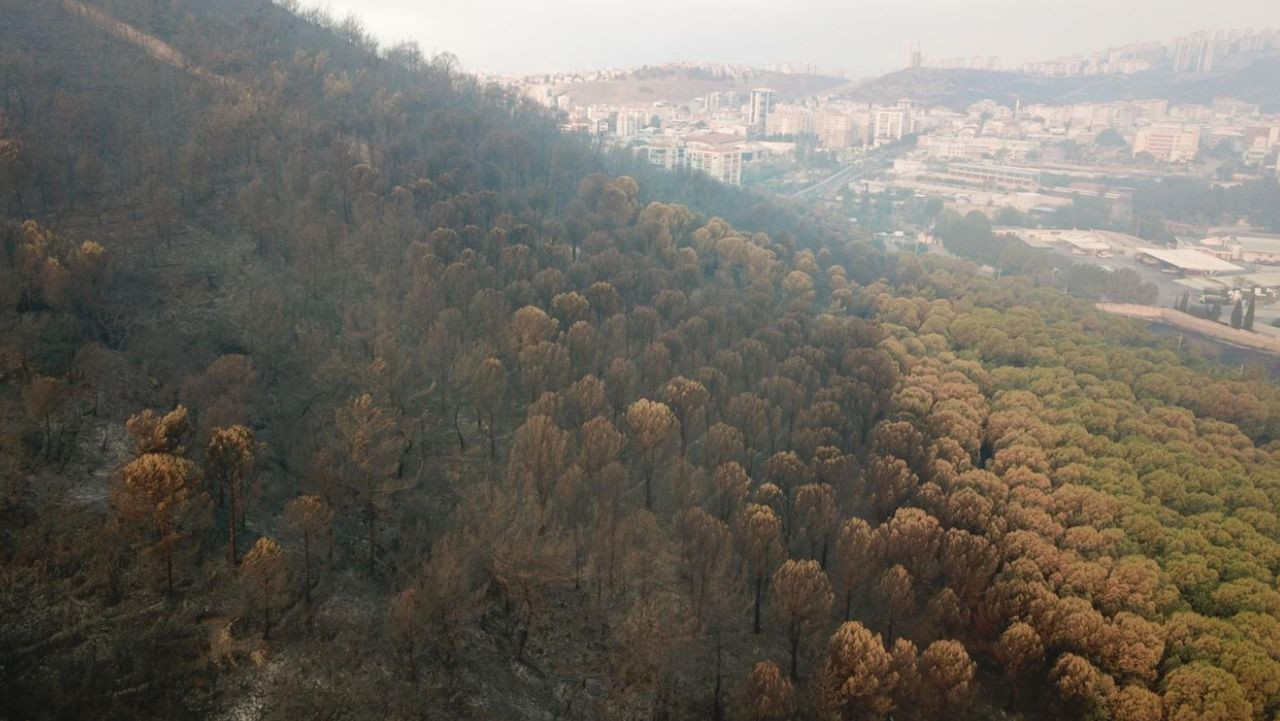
(665, 153)
(1168, 143)
(630, 123)
(790, 121)
(892, 124)
(843, 129)
(760, 107)
(722, 161)
(719, 156)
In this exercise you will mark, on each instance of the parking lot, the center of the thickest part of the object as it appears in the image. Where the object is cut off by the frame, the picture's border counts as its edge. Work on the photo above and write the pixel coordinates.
(1169, 289)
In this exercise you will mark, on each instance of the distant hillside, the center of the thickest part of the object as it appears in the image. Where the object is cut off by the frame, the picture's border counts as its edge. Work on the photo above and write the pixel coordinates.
(680, 86)
(1257, 82)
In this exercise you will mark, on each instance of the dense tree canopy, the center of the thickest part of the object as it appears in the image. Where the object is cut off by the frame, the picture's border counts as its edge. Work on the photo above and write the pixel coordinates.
(478, 423)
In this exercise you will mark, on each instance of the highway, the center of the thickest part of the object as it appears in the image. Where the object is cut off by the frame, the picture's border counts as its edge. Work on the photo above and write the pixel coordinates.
(873, 162)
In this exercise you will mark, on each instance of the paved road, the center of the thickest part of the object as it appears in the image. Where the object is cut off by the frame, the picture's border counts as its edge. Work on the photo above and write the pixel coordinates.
(874, 161)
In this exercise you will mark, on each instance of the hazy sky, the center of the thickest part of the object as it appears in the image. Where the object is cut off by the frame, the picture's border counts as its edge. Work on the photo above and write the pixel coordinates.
(861, 36)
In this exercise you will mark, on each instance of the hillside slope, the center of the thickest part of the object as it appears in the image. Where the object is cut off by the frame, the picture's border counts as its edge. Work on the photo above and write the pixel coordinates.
(350, 388)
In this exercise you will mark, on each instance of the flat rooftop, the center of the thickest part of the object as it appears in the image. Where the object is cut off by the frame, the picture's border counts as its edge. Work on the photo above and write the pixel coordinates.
(1044, 238)
(1190, 259)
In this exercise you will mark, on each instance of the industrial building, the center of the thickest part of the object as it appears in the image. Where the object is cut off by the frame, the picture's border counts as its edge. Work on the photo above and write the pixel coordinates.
(1188, 261)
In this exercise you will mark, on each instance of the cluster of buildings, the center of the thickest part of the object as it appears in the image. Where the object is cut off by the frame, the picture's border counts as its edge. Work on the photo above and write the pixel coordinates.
(1112, 61)
(1222, 253)
(725, 132)
(1198, 52)
(1221, 266)
(977, 62)
(1038, 158)
(722, 142)
(1167, 133)
(988, 145)
(913, 58)
(805, 69)
(1247, 247)
(766, 129)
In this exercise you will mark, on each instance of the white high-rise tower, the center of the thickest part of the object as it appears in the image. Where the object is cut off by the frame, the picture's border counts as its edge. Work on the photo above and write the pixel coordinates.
(761, 105)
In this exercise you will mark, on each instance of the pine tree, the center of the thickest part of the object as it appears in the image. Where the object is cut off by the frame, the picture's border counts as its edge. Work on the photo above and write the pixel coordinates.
(265, 575)
(308, 518)
(1248, 314)
(801, 599)
(1237, 315)
(767, 696)
(231, 453)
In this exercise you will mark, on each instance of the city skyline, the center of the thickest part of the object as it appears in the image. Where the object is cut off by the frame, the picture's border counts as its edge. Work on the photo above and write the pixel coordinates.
(862, 39)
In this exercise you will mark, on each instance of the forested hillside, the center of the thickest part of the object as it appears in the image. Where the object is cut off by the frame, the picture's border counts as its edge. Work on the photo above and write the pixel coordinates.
(334, 385)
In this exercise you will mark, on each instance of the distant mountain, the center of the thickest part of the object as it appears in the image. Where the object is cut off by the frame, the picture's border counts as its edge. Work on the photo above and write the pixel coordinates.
(1256, 82)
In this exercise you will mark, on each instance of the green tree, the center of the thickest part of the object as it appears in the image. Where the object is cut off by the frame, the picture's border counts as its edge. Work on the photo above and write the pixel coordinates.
(1201, 692)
